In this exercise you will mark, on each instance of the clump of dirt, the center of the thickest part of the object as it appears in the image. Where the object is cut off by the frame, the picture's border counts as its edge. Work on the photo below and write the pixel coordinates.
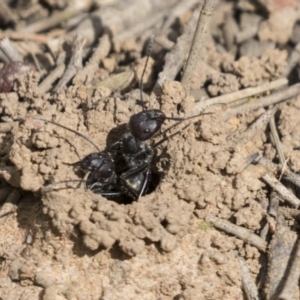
(253, 71)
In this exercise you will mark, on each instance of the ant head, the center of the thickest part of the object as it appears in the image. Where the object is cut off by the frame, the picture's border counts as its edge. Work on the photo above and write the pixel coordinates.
(145, 124)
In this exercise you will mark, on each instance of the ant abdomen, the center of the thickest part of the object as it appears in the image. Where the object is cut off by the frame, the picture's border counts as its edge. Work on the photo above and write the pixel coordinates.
(101, 164)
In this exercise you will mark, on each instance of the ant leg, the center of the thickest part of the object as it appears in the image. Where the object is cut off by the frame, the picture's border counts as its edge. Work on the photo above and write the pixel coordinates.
(99, 188)
(69, 129)
(52, 185)
(146, 181)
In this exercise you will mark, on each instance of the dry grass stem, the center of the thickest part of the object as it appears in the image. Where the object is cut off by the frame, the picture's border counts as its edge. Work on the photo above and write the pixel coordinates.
(48, 23)
(283, 257)
(38, 38)
(277, 140)
(87, 73)
(175, 57)
(264, 231)
(282, 95)
(249, 285)
(47, 83)
(9, 50)
(198, 41)
(245, 93)
(291, 282)
(259, 125)
(274, 204)
(274, 168)
(74, 65)
(287, 195)
(245, 234)
(55, 74)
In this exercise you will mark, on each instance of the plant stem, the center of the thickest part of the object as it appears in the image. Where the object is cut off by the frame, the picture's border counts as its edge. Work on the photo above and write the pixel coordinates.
(198, 42)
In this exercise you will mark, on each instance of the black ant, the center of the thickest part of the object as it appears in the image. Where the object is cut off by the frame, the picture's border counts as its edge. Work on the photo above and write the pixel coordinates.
(125, 168)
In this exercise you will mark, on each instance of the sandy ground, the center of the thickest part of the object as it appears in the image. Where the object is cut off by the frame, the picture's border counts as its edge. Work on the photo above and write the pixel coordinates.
(65, 242)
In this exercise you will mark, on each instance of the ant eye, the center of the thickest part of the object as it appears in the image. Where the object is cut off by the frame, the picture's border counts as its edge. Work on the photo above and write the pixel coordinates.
(146, 130)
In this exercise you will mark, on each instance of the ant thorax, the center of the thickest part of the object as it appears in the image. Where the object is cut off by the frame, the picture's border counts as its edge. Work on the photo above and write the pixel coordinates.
(134, 152)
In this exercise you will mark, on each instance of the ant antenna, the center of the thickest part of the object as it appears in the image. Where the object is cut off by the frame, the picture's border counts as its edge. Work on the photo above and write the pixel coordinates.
(67, 128)
(144, 71)
(52, 185)
(165, 138)
(192, 115)
(169, 136)
(196, 112)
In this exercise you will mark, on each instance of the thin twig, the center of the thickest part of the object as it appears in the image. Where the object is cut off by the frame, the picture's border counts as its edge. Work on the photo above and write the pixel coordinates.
(282, 160)
(38, 38)
(274, 168)
(291, 282)
(281, 251)
(74, 64)
(292, 177)
(115, 19)
(175, 57)
(249, 285)
(274, 204)
(141, 83)
(9, 50)
(47, 83)
(282, 95)
(242, 233)
(245, 93)
(198, 42)
(86, 74)
(47, 23)
(277, 140)
(278, 144)
(287, 195)
(260, 124)
(264, 231)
